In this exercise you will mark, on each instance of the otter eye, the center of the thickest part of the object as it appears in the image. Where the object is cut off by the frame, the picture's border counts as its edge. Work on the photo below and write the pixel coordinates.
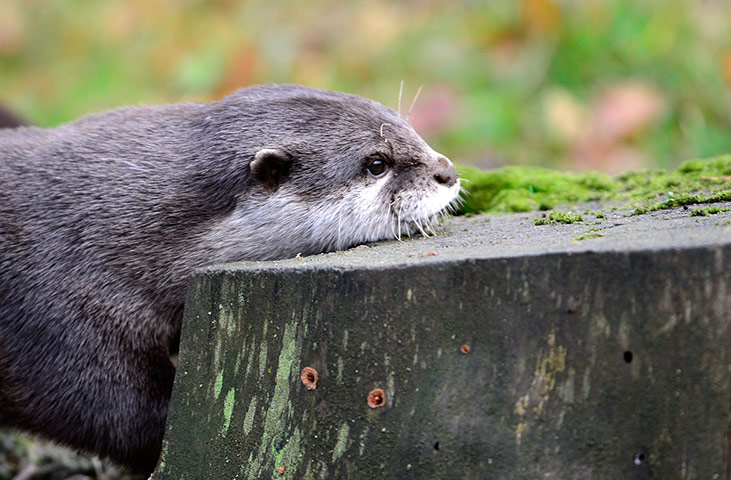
(377, 167)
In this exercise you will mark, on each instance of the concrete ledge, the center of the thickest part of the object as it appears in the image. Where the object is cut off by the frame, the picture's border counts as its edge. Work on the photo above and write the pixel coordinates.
(606, 358)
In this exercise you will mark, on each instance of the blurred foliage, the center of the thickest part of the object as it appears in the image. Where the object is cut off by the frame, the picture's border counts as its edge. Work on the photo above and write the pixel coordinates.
(601, 84)
(523, 189)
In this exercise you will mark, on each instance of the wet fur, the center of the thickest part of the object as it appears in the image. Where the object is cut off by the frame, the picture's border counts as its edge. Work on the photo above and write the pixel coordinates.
(102, 220)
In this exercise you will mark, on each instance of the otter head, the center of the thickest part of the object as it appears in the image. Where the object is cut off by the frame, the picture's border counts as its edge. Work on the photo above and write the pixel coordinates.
(327, 171)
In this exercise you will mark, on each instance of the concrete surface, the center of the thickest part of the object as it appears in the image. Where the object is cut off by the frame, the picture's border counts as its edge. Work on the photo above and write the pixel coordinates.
(602, 358)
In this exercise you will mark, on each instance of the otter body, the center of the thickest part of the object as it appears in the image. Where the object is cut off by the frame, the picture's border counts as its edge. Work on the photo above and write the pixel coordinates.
(102, 220)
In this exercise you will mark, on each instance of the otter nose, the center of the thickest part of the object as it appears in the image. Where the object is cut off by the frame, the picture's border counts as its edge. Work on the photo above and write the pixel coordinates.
(446, 173)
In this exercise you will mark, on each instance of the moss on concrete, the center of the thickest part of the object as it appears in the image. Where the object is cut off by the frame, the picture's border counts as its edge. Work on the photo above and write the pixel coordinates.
(589, 236)
(706, 211)
(523, 189)
(684, 200)
(558, 217)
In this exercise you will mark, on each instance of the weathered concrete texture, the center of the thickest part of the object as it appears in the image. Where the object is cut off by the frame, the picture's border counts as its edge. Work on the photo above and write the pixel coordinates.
(606, 359)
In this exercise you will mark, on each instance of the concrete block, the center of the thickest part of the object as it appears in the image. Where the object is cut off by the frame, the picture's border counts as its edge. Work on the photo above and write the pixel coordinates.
(501, 349)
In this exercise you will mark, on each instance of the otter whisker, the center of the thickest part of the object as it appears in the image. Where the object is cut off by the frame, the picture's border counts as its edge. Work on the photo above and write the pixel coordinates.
(383, 125)
(431, 222)
(424, 221)
(400, 92)
(413, 102)
(393, 228)
(421, 229)
(340, 221)
(430, 228)
(394, 221)
(399, 223)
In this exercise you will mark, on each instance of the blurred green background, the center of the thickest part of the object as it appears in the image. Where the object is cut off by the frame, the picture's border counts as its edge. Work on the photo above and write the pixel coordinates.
(609, 85)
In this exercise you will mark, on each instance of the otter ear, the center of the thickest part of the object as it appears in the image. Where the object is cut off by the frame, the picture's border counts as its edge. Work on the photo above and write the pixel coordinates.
(270, 167)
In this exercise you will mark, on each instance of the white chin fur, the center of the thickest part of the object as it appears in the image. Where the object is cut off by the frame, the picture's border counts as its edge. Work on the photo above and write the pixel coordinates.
(417, 213)
(364, 217)
(431, 204)
(283, 226)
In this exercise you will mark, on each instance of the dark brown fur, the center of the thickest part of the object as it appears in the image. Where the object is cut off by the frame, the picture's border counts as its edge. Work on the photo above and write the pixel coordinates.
(9, 119)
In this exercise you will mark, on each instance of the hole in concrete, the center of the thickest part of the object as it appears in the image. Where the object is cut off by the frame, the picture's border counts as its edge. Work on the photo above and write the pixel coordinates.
(376, 398)
(628, 356)
(309, 378)
(436, 446)
(639, 459)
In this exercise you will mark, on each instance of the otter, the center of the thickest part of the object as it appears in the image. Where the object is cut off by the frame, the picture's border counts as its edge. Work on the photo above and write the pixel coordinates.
(102, 221)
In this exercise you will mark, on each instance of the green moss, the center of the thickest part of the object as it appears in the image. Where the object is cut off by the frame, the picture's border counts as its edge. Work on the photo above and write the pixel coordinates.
(279, 406)
(596, 214)
(342, 442)
(249, 418)
(228, 408)
(685, 199)
(218, 384)
(706, 211)
(558, 217)
(522, 189)
(589, 236)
